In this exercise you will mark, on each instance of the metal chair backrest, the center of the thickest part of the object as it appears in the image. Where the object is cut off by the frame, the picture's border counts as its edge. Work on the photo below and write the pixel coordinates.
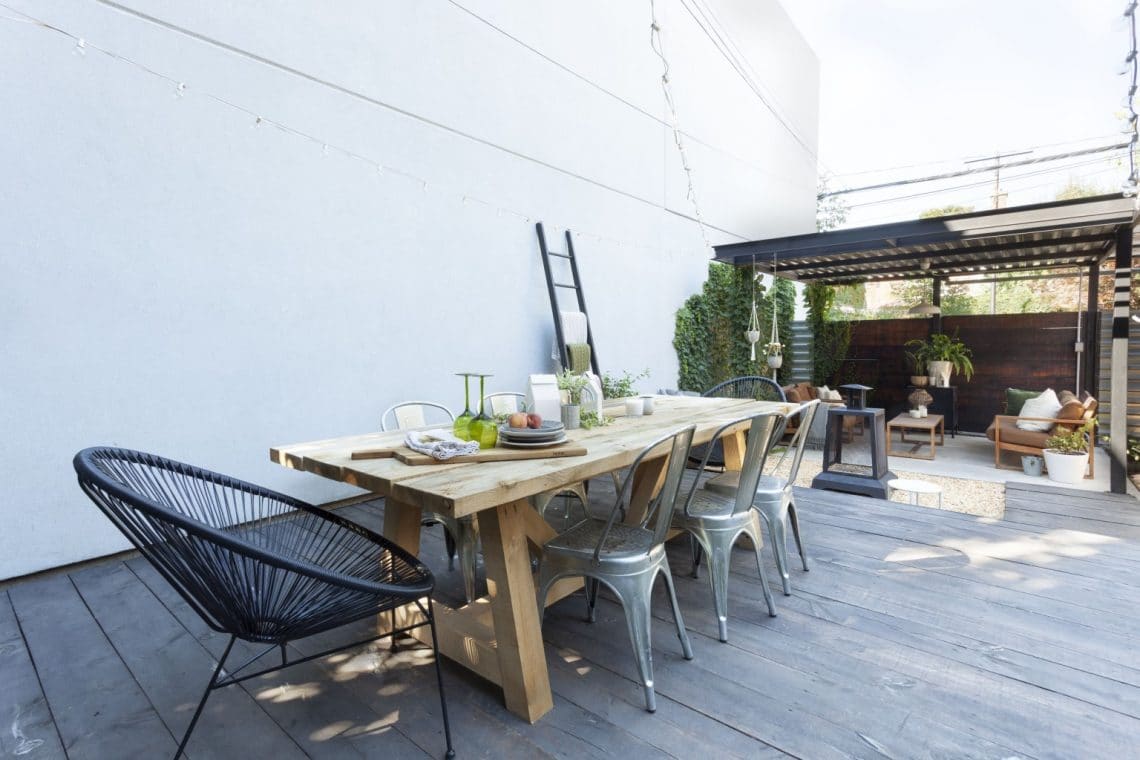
(764, 430)
(505, 402)
(413, 414)
(676, 447)
(796, 446)
(754, 387)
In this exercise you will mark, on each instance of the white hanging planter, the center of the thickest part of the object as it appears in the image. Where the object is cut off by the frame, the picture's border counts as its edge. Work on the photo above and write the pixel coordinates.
(753, 336)
(776, 361)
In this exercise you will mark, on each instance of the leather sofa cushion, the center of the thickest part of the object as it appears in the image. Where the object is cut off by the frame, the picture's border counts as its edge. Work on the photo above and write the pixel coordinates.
(1011, 433)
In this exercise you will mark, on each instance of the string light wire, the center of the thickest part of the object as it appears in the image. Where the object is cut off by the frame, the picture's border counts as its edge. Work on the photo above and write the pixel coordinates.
(182, 89)
(1132, 65)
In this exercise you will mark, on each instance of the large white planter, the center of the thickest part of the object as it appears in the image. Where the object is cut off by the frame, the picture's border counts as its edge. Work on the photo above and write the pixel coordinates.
(1066, 468)
(940, 371)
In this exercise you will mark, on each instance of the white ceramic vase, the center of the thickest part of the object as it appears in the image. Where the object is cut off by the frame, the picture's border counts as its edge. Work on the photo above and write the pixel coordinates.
(940, 371)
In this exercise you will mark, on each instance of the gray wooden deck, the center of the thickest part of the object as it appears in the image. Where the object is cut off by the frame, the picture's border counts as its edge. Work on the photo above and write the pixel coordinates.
(916, 634)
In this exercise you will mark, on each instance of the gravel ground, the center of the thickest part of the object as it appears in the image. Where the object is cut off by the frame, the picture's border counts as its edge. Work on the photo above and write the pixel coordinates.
(972, 497)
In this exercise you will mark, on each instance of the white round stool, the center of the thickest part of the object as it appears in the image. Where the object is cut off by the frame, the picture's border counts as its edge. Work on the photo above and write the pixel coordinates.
(915, 487)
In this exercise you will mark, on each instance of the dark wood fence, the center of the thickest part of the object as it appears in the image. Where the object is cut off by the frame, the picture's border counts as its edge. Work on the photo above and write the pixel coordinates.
(1030, 351)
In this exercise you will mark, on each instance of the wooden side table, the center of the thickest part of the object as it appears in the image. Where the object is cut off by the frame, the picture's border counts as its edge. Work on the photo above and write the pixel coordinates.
(931, 423)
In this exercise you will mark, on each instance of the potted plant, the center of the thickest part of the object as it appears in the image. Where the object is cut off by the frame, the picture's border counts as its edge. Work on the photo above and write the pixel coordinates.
(1067, 454)
(942, 355)
(572, 384)
(775, 353)
(917, 364)
(621, 386)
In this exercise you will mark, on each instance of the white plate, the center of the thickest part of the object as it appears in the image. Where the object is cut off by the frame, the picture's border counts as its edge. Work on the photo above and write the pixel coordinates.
(533, 444)
(548, 430)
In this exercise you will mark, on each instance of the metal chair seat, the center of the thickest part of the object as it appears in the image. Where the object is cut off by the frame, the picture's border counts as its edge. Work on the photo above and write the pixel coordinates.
(621, 544)
(706, 505)
(726, 483)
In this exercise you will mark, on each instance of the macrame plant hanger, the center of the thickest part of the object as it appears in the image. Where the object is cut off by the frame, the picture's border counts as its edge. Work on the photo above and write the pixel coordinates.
(753, 331)
(775, 351)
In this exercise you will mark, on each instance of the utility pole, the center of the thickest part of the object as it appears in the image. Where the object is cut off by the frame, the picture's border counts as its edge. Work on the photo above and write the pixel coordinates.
(998, 202)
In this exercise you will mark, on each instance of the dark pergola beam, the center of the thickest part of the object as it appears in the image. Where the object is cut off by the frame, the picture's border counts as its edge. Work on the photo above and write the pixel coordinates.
(1118, 383)
(909, 273)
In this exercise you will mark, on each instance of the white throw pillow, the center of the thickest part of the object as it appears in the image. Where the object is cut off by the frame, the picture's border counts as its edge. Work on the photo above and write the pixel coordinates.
(834, 395)
(1045, 405)
(823, 393)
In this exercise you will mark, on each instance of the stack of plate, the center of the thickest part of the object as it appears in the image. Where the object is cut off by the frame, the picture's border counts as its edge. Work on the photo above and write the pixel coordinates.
(550, 434)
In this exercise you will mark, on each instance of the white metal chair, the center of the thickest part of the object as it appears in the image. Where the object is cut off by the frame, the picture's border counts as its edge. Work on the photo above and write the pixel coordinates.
(462, 535)
(715, 518)
(626, 558)
(507, 402)
(775, 498)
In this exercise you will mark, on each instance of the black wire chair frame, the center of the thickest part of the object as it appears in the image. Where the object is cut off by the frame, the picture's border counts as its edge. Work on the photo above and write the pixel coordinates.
(755, 387)
(253, 563)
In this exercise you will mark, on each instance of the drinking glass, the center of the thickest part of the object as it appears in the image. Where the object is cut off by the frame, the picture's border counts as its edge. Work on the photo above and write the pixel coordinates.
(483, 428)
(462, 425)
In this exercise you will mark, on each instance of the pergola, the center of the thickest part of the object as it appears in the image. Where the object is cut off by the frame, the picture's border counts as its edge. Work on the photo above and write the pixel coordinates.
(1080, 235)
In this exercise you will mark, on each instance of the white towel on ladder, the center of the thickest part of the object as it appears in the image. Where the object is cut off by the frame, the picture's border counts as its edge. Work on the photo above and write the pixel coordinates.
(574, 330)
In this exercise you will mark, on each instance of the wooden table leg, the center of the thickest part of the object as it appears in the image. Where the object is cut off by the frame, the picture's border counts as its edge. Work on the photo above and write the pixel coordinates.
(514, 608)
(402, 524)
(647, 482)
(734, 445)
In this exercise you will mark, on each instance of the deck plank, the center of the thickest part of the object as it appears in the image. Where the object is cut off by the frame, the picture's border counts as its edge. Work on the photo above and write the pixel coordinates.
(28, 728)
(99, 708)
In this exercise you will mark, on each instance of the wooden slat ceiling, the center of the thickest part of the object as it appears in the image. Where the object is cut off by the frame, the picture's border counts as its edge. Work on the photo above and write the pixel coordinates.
(1016, 240)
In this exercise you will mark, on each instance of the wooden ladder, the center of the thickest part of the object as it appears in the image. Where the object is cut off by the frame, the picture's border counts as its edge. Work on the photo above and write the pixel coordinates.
(553, 288)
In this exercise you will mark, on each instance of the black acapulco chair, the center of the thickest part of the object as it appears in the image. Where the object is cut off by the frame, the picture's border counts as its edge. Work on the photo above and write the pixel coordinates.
(754, 387)
(255, 564)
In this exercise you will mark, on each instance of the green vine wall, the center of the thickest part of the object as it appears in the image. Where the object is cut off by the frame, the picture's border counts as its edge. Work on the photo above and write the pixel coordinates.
(709, 333)
(830, 340)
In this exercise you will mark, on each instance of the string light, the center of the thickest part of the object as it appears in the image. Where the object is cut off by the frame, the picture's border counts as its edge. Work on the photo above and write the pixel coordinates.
(659, 49)
(182, 89)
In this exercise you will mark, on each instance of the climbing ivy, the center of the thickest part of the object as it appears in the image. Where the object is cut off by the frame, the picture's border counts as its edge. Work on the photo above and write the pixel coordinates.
(830, 340)
(710, 326)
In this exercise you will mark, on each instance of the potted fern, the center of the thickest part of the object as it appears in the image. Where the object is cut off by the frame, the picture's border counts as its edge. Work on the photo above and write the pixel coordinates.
(943, 354)
(1067, 454)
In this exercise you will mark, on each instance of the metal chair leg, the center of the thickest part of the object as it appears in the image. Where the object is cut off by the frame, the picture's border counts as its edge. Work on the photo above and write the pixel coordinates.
(796, 533)
(467, 542)
(634, 594)
(682, 633)
(449, 542)
(695, 546)
(754, 534)
(439, 680)
(205, 696)
(779, 533)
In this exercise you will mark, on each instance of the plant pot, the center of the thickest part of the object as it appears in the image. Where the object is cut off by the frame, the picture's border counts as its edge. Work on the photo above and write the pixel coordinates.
(1066, 468)
(571, 416)
(775, 362)
(1032, 466)
(940, 372)
(752, 335)
(918, 381)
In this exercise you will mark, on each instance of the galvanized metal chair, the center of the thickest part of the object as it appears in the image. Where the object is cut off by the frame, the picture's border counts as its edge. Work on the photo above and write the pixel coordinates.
(714, 519)
(754, 387)
(462, 534)
(255, 564)
(775, 497)
(626, 558)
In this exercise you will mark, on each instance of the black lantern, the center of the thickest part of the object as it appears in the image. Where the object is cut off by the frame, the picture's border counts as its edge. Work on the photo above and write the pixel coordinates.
(855, 452)
(855, 395)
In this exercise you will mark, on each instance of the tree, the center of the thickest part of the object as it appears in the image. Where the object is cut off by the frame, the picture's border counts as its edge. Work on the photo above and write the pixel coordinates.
(950, 210)
(1074, 189)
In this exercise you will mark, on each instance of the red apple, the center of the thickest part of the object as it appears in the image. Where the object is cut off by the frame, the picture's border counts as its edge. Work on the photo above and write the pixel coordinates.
(517, 420)
(533, 421)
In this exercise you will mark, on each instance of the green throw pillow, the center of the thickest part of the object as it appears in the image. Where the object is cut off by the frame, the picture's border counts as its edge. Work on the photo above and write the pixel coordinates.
(1015, 399)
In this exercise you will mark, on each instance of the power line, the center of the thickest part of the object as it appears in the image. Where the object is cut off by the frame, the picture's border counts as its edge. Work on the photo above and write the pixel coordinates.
(964, 172)
(752, 85)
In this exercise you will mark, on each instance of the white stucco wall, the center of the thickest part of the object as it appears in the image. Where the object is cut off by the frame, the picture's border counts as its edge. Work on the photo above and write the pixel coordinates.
(177, 280)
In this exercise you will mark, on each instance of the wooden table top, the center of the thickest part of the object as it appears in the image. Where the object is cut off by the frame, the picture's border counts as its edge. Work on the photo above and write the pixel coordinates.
(929, 422)
(462, 489)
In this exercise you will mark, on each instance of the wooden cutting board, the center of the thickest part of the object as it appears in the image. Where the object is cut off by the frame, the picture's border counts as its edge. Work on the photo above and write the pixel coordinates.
(407, 456)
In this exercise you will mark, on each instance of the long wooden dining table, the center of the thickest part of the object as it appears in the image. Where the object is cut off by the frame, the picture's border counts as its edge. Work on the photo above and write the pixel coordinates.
(498, 636)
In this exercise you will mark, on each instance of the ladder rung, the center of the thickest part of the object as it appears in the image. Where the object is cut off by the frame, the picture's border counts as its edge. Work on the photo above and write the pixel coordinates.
(559, 255)
(564, 285)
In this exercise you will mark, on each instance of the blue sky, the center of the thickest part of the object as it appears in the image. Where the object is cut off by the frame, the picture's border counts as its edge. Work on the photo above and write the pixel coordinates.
(921, 81)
